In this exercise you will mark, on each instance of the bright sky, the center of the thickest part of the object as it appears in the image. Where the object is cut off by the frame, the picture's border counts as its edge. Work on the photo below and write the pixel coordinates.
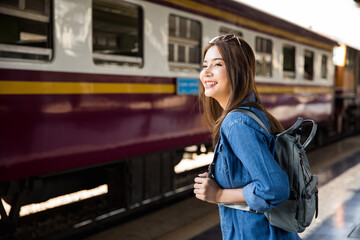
(339, 19)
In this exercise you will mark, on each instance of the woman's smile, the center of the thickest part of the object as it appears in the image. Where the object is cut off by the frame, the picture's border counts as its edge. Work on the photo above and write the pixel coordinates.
(209, 84)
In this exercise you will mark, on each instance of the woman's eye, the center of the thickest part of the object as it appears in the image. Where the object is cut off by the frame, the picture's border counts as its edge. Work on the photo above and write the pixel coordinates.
(204, 66)
(218, 64)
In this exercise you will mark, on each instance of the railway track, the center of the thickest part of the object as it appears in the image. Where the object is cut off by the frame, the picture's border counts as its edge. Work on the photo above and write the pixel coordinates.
(80, 218)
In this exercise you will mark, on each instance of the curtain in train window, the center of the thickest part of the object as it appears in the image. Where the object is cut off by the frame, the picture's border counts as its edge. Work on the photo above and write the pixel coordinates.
(263, 55)
(323, 66)
(288, 61)
(26, 30)
(184, 49)
(308, 65)
(117, 33)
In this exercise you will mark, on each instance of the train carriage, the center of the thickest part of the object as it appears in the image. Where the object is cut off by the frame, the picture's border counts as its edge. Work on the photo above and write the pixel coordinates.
(347, 89)
(103, 91)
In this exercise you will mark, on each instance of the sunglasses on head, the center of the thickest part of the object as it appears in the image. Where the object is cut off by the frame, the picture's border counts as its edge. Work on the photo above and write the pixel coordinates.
(225, 38)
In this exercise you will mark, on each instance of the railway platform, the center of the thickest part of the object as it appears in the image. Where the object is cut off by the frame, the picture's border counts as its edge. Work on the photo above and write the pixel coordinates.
(339, 202)
(338, 168)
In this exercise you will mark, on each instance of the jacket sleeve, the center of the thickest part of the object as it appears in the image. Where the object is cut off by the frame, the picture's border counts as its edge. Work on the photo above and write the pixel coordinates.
(269, 185)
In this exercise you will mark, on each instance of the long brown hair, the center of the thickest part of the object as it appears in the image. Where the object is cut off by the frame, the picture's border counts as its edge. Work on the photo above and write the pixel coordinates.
(239, 60)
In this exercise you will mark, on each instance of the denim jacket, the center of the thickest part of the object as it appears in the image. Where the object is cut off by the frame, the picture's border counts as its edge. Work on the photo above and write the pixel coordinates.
(245, 159)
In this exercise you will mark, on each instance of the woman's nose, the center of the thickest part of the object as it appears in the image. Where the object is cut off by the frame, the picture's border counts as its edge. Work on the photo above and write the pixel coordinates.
(208, 71)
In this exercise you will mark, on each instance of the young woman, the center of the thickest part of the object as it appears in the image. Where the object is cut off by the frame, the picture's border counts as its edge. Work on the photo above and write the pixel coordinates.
(246, 179)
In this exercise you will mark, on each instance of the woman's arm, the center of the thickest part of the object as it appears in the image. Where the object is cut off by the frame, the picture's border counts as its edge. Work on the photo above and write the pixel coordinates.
(269, 185)
(208, 190)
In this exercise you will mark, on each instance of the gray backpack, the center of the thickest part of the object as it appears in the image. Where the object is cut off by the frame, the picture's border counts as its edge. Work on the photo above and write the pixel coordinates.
(297, 212)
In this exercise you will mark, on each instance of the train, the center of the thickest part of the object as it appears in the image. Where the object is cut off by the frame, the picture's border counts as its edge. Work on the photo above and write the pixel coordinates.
(105, 92)
(347, 89)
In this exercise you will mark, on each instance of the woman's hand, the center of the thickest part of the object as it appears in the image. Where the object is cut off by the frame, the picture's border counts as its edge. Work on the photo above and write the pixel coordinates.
(207, 189)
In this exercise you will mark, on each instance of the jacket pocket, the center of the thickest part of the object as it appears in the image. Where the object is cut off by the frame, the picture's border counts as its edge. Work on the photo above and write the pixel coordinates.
(221, 165)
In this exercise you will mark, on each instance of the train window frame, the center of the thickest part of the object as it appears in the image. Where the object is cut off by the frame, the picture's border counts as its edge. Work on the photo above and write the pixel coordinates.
(225, 30)
(185, 40)
(324, 66)
(309, 71)
(30, 35)
(264, 56)
(106, 49)
(289, 70)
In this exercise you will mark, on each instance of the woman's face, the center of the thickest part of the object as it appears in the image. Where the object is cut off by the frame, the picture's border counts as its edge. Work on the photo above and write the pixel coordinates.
(214, 77)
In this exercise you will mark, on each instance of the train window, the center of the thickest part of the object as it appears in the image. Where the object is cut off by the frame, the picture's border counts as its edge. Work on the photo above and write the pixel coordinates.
(350, 59)
(117, 33)
(224, 31)
(25, 30)
(181, 54)
(289, 61)
(184, 44)
(183, 27)
(308, 65)
(263, 56)
(324, 66)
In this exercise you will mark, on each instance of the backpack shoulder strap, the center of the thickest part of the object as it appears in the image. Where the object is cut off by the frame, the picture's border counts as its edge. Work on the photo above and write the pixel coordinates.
(254, 116)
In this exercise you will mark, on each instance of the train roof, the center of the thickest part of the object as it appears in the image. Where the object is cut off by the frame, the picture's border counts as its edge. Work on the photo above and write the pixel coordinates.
(249, 17)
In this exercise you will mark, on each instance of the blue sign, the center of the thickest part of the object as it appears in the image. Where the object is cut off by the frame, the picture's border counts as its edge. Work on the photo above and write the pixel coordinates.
(187, 86)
